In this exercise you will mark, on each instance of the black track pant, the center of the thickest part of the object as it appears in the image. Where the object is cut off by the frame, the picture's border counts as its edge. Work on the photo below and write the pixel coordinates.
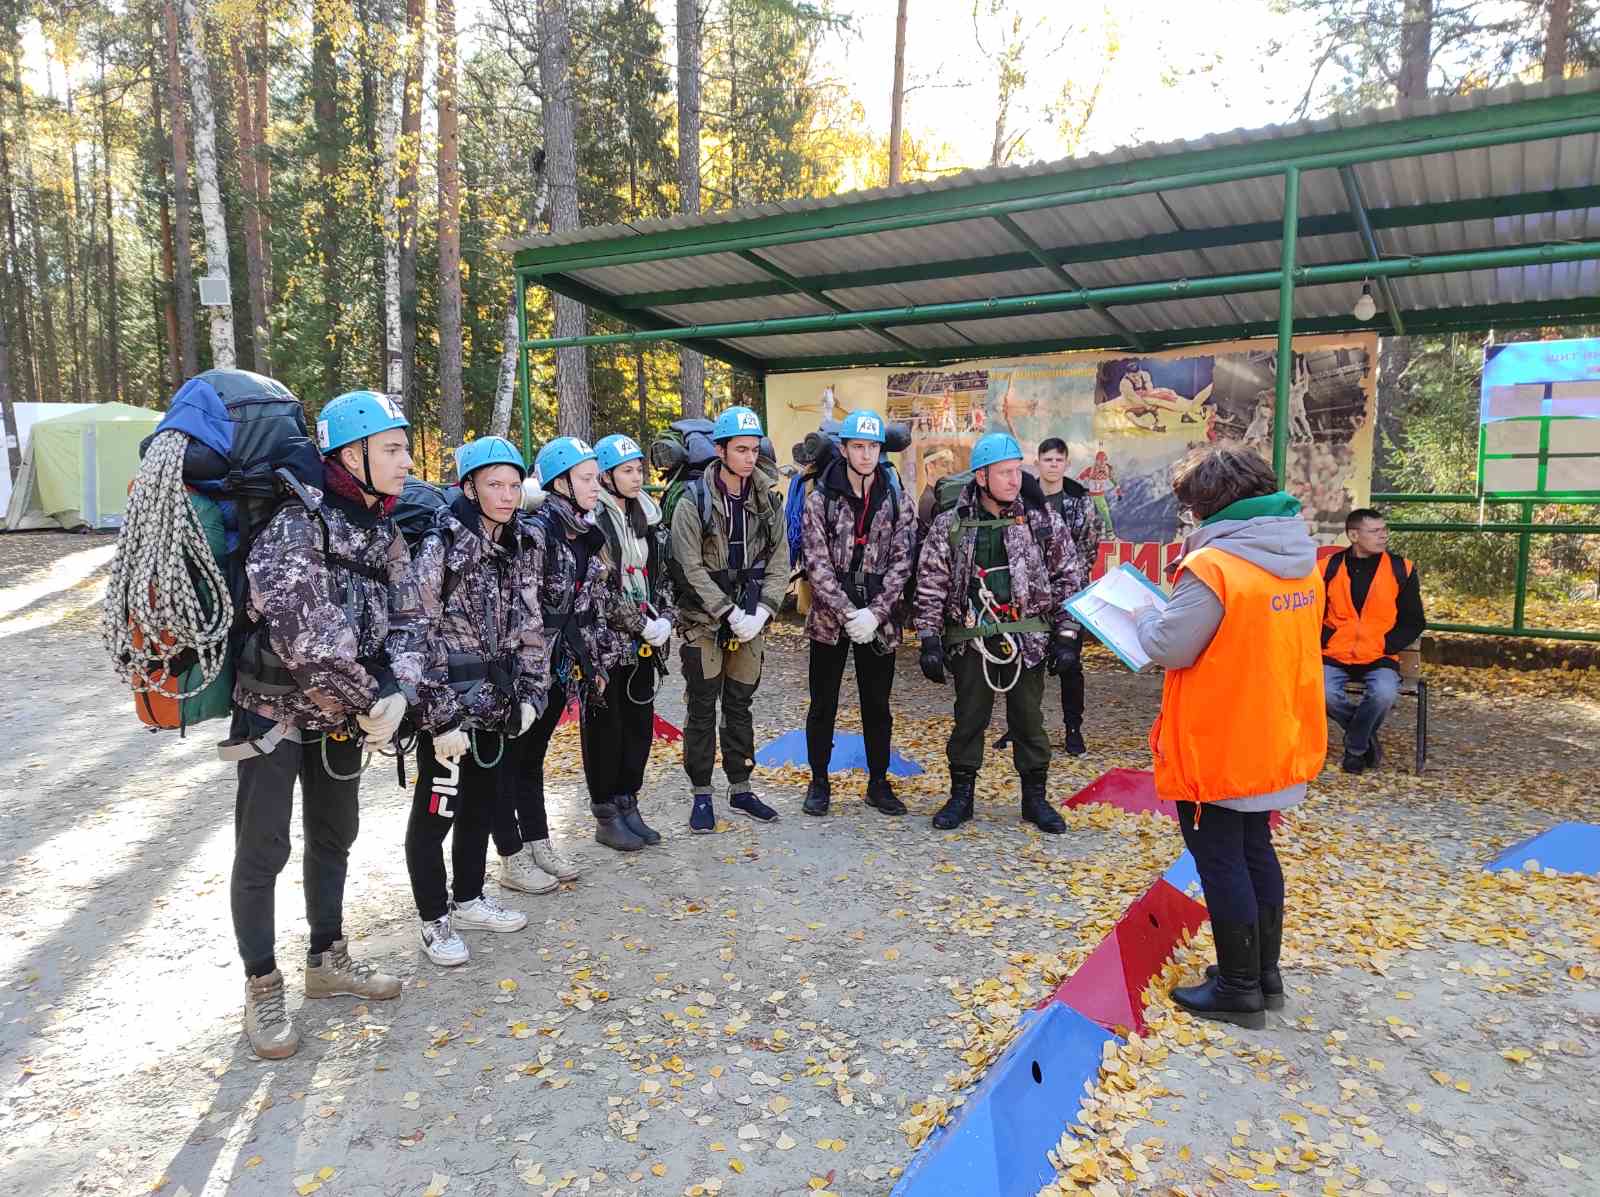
(519, 816)
(1072, 694)
(1234, 856)
(459, 796)
(874, 683)
(617, 736)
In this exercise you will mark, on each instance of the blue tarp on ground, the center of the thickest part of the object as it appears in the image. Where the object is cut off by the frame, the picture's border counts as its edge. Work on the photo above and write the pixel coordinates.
(849, 752)
(1566, 848)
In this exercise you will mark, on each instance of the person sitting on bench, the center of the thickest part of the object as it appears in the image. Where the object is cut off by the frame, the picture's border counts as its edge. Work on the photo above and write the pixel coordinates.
(1373, 610)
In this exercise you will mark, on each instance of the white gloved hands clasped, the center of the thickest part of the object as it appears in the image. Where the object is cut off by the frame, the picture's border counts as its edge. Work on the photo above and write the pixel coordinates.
(383, 720)
(742, 625)
(451, 745)
(759, 621)
(657, 631)
(861, 625)
(528, 716)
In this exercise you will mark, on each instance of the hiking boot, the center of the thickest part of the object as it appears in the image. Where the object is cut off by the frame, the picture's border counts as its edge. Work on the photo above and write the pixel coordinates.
(334, 974)
(1234, 993)
(1354, 762)
(441, 943)
(749, 805)
(958, 807)
(1036, 808)
(628, 805)
(1374, 754)
(550, 862)
(520, 872)
(1074, 744)
(610, 830)
(483, 913)
(266, 1021)
(881, 797)
(818, 794)
(1270, 924)
(702, 818)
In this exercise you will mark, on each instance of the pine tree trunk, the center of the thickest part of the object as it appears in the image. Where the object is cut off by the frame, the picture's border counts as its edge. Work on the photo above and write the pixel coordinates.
(506, 383)
(263, 115)
(574, 405)
(897, 98)
(260, 329)
(114, 319)
(326, 115)
(182, 274)
(691, 366)
(8, 411)
(78, 264)
(212, 216)
(410, 150)
(388, 145)
(49, 368)
(1416, 48)
(452, 417)
(641, 393)
(1556, 31)
(14, 306)
(172, 367)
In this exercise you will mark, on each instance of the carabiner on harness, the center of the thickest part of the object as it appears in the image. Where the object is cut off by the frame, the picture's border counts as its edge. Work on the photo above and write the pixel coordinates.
(340, 737)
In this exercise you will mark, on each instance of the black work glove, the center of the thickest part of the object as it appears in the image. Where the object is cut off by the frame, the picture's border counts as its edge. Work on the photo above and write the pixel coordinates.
(1065, 652)
(932, 659)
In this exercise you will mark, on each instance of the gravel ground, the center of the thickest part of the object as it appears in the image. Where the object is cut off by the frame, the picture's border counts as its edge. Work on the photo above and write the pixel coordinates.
(775, 1009)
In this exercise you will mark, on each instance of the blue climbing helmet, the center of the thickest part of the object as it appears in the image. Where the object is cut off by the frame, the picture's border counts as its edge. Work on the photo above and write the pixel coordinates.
(863, 424)
(736, 421)
(611, 451)
(994, 447)
(487, 451)
(559, 456)
(354, 416)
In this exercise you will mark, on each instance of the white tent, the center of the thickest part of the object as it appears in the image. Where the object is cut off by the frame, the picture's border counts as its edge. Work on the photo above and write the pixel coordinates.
(78, 466)
(29, 414)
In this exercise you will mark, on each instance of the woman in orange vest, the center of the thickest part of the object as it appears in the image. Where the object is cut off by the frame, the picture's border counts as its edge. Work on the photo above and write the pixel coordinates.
(1242, 726)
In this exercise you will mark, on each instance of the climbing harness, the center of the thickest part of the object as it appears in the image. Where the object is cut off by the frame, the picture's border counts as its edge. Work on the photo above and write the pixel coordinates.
(647, 653)
(994, 612)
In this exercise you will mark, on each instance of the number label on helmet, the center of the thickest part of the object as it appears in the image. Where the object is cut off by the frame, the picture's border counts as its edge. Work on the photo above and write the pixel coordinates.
(869, 426)
(322, 435)
(390, 408)
(626, 445)
(581, 445)
(748, 422)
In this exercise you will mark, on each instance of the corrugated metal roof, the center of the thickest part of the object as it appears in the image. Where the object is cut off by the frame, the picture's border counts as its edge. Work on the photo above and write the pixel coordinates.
(1520, 168)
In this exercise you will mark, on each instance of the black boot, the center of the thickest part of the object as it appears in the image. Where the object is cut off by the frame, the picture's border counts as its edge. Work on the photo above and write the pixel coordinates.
(818, 794)
(881, 797)
(1036, 808)
(628, 809)
(1234, 994)
(958, 808)
(1074, 744)
(610, 830)
(1270, 925)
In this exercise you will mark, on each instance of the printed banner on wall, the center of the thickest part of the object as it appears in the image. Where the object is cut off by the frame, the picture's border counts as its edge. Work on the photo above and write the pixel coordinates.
(1126, 420)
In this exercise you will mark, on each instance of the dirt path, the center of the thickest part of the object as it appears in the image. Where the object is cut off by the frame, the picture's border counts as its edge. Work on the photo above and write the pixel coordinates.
(764, 1011)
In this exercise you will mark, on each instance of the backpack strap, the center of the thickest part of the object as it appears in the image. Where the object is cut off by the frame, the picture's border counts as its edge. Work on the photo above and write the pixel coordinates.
(1331, 568)
(1397, 563)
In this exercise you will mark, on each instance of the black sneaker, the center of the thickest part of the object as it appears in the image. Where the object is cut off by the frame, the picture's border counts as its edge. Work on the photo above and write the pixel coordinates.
(1353, 762)
(818, 796)
(1374, 756)
(1074, 742)
(881, 797)
(748, 804)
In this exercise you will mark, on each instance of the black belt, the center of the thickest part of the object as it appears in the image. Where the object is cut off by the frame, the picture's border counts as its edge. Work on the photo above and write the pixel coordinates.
(466, 671)
(567, 625)
(261, 670)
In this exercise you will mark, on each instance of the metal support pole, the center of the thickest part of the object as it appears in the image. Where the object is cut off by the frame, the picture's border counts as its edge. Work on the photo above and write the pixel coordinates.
(521, 284)
(1280, 406)
(1524, 545)
(1358, 209)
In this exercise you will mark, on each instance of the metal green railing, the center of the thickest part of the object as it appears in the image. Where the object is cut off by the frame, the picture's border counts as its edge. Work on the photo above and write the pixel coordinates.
(1524, 529)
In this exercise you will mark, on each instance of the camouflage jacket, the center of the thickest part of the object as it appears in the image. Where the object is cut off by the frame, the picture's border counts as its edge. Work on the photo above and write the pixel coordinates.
(1077, 510)
(346, 637)
(1043, 563)
(699, 551)
(828, 537)
(472, 591)
(603, 621)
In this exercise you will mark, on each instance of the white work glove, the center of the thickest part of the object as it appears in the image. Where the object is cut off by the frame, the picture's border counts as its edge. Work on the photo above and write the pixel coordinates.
(451, 745)
(528, 716)
(742, 625)
(657, 632)
(759, 620)
(383, 720)
(861, 626)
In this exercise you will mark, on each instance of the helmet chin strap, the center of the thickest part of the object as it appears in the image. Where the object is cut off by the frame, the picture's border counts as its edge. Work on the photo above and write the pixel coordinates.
(365, 481)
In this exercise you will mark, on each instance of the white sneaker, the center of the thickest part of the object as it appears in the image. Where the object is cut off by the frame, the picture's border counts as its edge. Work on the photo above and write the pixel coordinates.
(442, 944)
(483, 913)
(519, 872)
(552, 862)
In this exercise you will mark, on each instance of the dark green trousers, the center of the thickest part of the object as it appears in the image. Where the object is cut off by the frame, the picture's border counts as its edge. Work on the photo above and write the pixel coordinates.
(1030, 747)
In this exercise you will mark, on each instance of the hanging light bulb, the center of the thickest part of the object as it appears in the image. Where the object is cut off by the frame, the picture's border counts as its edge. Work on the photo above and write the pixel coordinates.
(1365, 308)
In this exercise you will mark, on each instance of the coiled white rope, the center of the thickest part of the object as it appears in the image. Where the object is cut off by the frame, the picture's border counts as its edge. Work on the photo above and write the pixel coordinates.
(1012, 654)
(161, 563)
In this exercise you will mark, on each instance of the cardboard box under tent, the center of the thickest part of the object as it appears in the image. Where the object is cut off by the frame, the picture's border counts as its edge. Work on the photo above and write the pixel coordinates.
(77, 468)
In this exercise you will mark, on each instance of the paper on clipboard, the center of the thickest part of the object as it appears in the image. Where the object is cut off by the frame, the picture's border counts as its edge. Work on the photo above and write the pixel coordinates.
(1107, 608)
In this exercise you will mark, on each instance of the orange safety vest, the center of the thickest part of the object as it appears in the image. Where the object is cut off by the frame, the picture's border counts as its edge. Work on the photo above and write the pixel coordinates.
(1358, 635)
(1249, 716)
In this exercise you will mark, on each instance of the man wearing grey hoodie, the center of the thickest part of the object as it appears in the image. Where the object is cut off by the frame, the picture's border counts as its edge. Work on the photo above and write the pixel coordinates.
(1241, 728)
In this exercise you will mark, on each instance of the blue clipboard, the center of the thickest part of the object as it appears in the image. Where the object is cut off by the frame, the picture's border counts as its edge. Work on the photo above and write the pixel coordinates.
(1076, 605)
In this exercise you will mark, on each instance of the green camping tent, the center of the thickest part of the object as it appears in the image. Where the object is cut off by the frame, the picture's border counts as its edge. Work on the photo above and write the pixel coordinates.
(78, 466)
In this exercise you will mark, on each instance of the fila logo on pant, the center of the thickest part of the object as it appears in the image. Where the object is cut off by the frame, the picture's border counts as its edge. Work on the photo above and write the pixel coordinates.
(446, 786)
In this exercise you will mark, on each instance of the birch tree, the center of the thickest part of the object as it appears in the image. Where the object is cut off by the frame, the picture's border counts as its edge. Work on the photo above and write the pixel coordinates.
(574, 403)
(691, 365)
(897, 98)
(452, 416)
(212, 216)
(410, 153)
(389, 139)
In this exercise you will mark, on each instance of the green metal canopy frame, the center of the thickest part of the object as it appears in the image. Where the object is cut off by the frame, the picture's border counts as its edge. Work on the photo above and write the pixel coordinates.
(1458, 154)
